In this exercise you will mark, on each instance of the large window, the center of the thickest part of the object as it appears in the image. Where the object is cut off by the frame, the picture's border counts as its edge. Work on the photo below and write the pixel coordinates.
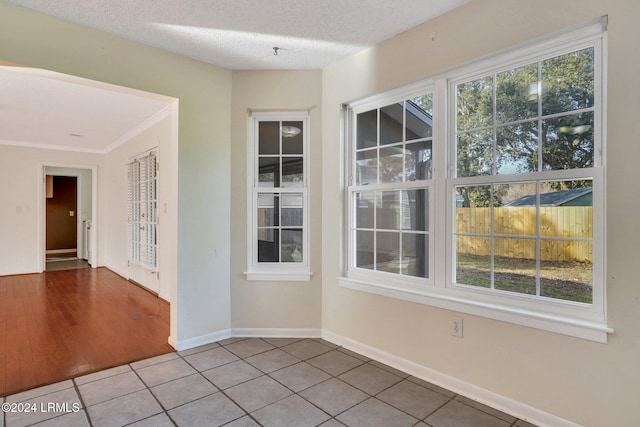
(278, 216)
(482, 190)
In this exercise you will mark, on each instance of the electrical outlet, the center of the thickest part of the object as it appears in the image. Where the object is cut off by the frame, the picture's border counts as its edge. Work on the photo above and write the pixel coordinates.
(456, 327)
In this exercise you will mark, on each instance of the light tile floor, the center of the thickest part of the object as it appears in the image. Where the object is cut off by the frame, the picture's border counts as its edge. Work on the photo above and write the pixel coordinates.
(250, 382)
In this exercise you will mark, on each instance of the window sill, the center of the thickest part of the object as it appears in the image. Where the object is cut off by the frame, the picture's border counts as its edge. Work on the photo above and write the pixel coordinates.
(579, 328)
(279, 276)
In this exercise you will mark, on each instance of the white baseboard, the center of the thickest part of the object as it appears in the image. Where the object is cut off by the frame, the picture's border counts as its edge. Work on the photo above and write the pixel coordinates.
(276, 332)
(471, 391)
(199, 340)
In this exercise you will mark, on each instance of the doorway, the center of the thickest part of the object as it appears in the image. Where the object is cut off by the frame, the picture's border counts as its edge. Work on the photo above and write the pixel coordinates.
(67, 216)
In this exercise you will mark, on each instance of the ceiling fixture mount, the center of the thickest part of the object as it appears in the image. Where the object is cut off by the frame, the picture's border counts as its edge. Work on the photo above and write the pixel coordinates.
(290, 131)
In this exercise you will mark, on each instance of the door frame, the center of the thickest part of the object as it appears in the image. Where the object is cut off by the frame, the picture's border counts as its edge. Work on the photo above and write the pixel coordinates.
(42, 210)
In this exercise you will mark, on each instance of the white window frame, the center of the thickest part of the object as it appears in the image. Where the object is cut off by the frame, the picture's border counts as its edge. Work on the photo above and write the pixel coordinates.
(588, 321)
(275, 271)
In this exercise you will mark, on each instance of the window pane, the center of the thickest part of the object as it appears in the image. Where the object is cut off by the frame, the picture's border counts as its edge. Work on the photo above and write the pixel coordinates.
(269, 138)
(419, 117)
(475, 104)
(568, 142)
(566, 209)
(365, 252)
(268, 242)
(391, 164)
(418, 161)
(517, 94)
(367, 167)
(415, 210)
(269, 172)
(291, 245)
(292, 211)
(367, 129)
(473, 214)
(514, 265)
(565, 274)
(388, 252)
(292, 173)
(267, 210)
(365, 205)
(388, 210)
(475, 153)
(292, 138)
(415, 255)
(568, 82)
(517, 148)
(473, 261)
(514, 209)
(391, 124)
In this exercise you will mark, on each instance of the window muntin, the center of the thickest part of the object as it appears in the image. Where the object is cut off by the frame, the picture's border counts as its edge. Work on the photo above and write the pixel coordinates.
(278, 237)
(142, 207)
(392, 165)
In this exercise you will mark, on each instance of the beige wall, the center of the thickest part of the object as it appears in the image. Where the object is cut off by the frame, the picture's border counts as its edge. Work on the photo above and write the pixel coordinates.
(201, 304)
(273, 305)
(585, 382)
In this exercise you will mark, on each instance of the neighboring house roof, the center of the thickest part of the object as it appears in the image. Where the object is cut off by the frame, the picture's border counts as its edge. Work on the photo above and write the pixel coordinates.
(577, 197)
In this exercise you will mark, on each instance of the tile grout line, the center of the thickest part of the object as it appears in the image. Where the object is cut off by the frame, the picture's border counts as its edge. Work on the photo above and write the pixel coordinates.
(164, 410)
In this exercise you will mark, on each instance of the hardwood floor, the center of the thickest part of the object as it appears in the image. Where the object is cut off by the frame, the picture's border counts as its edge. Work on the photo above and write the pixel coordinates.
(63, 324)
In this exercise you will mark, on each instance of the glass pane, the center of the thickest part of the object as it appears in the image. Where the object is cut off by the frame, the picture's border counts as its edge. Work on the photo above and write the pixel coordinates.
(269, 172)
(568, 82)
(292, 137)
(291, 211)
(391, 124)
(365, 252)
(367, 167)
(566, 209)
(475, 153)
(473, 212)
(391, 164)
(388, 257)
(388, 210)
(517, 148)
(514, 209)
(292, 173)
(269, 138)
(473, 261)
(419, 117)
(367, 129)
(475, 104)
(514, 265)
(291, 245)
(268, 242)
(418, 161)
(415, 255)
(267, 210)
(365, 206)
(517, 94)
(568, 142)
(415, 210)
(566, 270)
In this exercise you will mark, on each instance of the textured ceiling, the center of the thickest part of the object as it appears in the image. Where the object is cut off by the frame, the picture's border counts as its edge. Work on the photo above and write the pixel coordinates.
(241, 34)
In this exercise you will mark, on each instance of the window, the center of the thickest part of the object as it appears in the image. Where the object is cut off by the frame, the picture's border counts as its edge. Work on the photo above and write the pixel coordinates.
(143, 211)
(482, 190)
(278, 179)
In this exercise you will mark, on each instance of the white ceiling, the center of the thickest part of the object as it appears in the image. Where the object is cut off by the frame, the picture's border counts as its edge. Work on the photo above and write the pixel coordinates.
(45, 109)
(241, 34)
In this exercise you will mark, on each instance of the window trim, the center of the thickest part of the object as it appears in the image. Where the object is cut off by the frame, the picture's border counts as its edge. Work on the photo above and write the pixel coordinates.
(581, 320)
(280, 271)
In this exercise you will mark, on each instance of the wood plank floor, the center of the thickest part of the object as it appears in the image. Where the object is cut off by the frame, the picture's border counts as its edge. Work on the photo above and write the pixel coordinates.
(63, 324)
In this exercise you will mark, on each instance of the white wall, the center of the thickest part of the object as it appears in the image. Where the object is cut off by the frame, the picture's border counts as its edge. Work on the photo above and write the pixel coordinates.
(21, 225)
(274, 305)
(586, 382)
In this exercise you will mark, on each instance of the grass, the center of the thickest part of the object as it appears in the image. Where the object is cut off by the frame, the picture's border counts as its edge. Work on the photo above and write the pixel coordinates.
(566, 280)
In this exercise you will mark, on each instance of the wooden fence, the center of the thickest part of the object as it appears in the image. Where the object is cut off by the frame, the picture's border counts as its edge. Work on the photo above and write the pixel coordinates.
(564, 222)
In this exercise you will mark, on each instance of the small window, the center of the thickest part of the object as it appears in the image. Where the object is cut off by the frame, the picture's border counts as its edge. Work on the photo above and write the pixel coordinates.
(278, 181)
